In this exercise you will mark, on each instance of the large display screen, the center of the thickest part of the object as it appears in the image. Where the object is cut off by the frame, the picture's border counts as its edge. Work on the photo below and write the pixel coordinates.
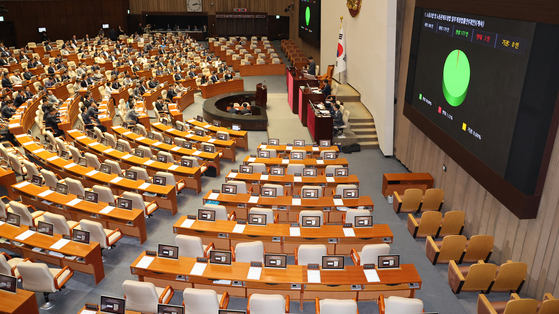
(309, 21)
(469, 77)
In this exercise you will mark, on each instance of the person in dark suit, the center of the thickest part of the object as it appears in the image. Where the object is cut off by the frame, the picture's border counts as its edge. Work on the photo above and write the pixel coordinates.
(312, 66)
(245, 109)
(84, 82)
(178, 76)
(28, 75)
(227, 76)
(233, 110)
(327, 90)
(47, 46)
(160, 105)
(92, 114)
(50, 82)
(20, 98)
(132, 116)
(116, 85)
(171, 92)
(52, 122)
(152, 83)
(338, 117)
(191, 73)
(8, 110)
(214, 77)
(28, 94)
(204, 79)
(6, 81)
(112, 34)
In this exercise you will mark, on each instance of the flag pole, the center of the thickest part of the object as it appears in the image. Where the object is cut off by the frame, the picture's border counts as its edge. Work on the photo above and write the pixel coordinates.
(340, 73)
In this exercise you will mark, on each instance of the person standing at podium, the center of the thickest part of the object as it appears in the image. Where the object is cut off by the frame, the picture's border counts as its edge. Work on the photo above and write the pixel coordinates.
(312, 66)
(327, 90)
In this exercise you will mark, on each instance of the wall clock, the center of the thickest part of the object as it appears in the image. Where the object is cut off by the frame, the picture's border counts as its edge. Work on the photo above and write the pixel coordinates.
(354, 6)
(194, 5)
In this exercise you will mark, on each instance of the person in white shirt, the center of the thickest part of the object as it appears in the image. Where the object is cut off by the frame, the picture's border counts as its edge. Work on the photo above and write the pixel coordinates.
(16, 80)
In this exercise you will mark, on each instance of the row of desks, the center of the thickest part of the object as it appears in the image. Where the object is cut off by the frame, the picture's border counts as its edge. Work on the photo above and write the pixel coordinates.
(308, 162)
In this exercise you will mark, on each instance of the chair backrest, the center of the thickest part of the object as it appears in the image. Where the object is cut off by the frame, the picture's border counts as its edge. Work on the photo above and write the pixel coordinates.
(353, 212)
(345, 118)
(266, 304)
(31, 168)
(273, 153)
(193, 159)
(257, 167)
(115, 166)
(141, 130)
(147, 151)
(96, 232)
(59, 222)
(220, 211)
(279, 187)
(411, 199)
(331, 169)
(105, 193)
(3, 210)
(36, 277)
(479, 277)
(140, 296)
(111, 141)
(169, 177)
(50, 178)
(432, 199)
(14, 162)
(510, 275)
(398, 305)
(311, 187)
(142, 173)
(430, 223)
(167, 155)
(75, 153)
(313, 213)
(452, 248)
(241, 186)
(334, 306)
(157, 135)
(324, 152)
(263, 211)
(311, 254)
(200, 301)
(295, 168)
(126, 145)
(137, 200)
(370, 252)
(452, 223)
(75, 186)
(98, 133)
(521, 306)
(189, 246)
(20, 209)
(478, 247)
(550, 306)
(92, 160)
(60, 145)
(5, 268)
(246, 252)
(341, 187)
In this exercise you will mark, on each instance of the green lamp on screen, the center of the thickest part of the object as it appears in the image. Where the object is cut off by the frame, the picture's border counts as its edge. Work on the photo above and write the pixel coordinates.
(308, 15)
(456, 77)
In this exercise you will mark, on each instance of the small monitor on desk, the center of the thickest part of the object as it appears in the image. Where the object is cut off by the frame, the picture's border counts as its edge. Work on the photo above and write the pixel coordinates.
(277, 171)
(106, 169)
(208, 148)
(220, 257)
(310, 172)
(275, 260)
(341, 172)
(363, 221)
(388, 261)
(168, 140)
(297, 155)
(124, 203)
(82, 161)
(350, 193)
(186, 162)
(139, 153)
(236, 127)
(164, 122)
(333, 262)
(64, 155)
(199, 119)
(103, 141)
(80, 236)
(112, 305)
(206, 214)
(37, 180)
(150, 135)
(119, 147)
(330, 156)
(179, 127)
(310, 221)
(198, 132)
(187, 145)
(13, 219)
(169, 309)
(257, 219)
(222, 137)
(264, 154)
(310, 193)
(159, 180)
(325, 143)
(229, 189)
(217, 123)
(91, 197)
(168, 251)
(90, 134)
(8, 283)
(61, 188)
(232, 312)
(299, 143)
(162, 158)
(50, 148)
(45, 228)
(131, 174)
(245, 169)
(268, 192)
(273, 142)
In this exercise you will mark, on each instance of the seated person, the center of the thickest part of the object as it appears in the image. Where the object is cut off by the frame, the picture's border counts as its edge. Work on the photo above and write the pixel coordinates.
(52, 122)
(235, 109)
(245, 109)
(132, 117)
(92, 115)
(8, 110)
(160, 106)
(338, 117)
(327, 90)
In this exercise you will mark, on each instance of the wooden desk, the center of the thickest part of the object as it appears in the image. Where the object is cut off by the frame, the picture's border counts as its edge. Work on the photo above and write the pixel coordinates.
(120, 94)
(294, 80)
(241, 137)
(71, 106)
(307, 162)
(83, 309)
(7, 178)
(131, 222)
(23, 302)
(335, 284)
(184, 100)
(277, 238)
(106, 152)
(92, 262)
(256, 180)
(320, 126)
(227, 147)
(400, 182)
(188, 82)
(305, 95)
(310, 149)
(94, 89)
(165, 196)
(241, 205)
(262, 69)
(24, 118)
(61, 91)
(211, 90)
(151, 97)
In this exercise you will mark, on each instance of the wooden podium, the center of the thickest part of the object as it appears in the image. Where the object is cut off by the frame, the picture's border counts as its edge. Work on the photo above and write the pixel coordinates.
(261, 95)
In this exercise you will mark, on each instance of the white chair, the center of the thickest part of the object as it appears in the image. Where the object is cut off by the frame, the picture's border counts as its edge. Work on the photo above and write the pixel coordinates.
(16, 165)
(157, 136)
(76, 154)
(98, 133)
(40, 278)
(179, 141)
(111, 141)
(278, 187)
(310, 254)
(142, 173)
(225, 134)
(267, 304)
(115, 166)
(170, 180)
(295, 168)
(331, 169)
(195, 163)
(126, 145)
(349, 216)
(273, 152)
(105, 194)
(270, 217)
(105, 237)
(221, 212)
(27, 218)
(138, 202)
(191, 246)
(335, 306)
(341, 187)
(311, 213)
(60, 145)
(398, 305)
(369, 254)
(247, 252)
(167, 155)
(241, 186)
(311, 187)
(147, 151)
(61, 225)
(326, 151)
(8, 264)
(4, 208)
(92, 161)
(144, 296)
(257, 167)
(31, 168)
(141, 130)
(75, 187)
(203, 301)
(50, 178)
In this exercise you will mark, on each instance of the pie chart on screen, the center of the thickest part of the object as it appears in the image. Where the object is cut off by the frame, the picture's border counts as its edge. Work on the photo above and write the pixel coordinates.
(456, 77)
(308, 15)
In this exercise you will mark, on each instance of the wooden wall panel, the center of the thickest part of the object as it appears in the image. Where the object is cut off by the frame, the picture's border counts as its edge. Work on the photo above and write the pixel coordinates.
(534, 241)
(272, 7)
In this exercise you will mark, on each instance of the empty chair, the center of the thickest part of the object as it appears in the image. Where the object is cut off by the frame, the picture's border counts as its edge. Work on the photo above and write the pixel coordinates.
(191, 246)
(126, 145)
(39, 277)
(168, 156)
(451, 248)
(141, 130)
(179, 141)
(75, 153)
(327, 151)
(75, 187)
(432, 200)
(428, 225)
(147, 151)
(241, 186)
(510, 277)
(111, 141)
(267, 304)
(16, 165)
(204, 301)
(138, 202)
(273, 153)
(295, 168)
(310, 254)
(453, 223)
(98, 133)
(270, 217)
(349, 216)
(181, 125)
(31, 168)
(258, 167)
(115, 166)
(27, 219)
(335, 306)
(399, 305)
(301, 151)
(341, 187)
(61, 225)
(311, 187)
(247, 252)
(479, 247)
(549, 305)
(61, 146)
(220, 212)
(92, 161)
(157, 136)
(409, 202)
(311, 213)
(476, 277)
(195, 163)
(8, 264)
(331, 169)
(142, 173)
(105, 193)
(4, 208)
(105, 237)
(369, 253)
(170, 180)
(144, 296)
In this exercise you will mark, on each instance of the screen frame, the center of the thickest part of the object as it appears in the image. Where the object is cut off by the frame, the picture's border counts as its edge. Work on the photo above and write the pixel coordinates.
(160, 246)
(305, 225)
(96, 199)
(213, 252)
(118, 312)
(88, 236)
(120, 199)
(13, 281)
(261, 223)
(51, 228)
(268, 255)
(202, 210)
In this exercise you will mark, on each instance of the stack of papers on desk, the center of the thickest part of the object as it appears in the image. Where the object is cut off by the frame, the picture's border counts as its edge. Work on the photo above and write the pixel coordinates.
(149, 162)
(232, 175)
(213, 196)
(371, 275)
(38, 150)
(296, 201)
(239, 228)
(106, 210)
(140, 138)
(145, 262)
(73, 202)
(106, 151)
(330, 179)
(52, 158)
(198, 269)
(297, 179)
(144, 186)
(251, 159)
(45, 193)
(126, 156)
(338, 202)
(196, 153)
(253, 199)
(22, 184)
(254, 273)
(320, 162)
(187, 223)
(173, 167)
(313, 276)
(92, 173)
(295, 231)
(349, 232)
(116, 179)
(25, 235)
(59, 244)
(68, 166)
(264, 177)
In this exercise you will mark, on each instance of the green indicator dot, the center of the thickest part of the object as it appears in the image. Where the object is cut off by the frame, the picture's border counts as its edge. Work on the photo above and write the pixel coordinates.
(420, 97)
(308, 15)
(456, 77)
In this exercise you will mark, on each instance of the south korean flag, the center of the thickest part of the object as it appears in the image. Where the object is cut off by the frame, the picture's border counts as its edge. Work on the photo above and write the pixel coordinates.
(341, 62)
